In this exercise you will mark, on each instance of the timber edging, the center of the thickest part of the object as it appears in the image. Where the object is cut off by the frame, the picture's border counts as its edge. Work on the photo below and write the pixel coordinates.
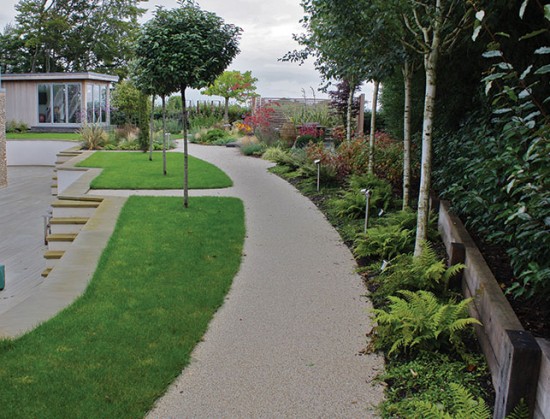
(519, 363)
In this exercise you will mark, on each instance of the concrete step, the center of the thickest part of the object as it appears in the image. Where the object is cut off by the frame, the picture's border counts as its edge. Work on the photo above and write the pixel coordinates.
(60, 242)
(67, 225)
(64, 208)
(46, 272)
(53, 254)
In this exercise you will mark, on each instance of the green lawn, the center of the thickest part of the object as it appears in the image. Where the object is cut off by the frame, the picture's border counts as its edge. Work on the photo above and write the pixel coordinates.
(134, 170)
(71, 136)
(112, 353)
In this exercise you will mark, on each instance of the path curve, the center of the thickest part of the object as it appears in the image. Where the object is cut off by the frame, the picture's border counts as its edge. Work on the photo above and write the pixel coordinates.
(288, 340)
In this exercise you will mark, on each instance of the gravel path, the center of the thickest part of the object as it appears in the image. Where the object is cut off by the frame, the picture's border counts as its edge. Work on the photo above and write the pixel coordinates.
(288, 340)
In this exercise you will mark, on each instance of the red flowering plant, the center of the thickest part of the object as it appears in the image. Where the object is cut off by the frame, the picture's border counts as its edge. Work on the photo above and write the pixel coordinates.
(261, 118)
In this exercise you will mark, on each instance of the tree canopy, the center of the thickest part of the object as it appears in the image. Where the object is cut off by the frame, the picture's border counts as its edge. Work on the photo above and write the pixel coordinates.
(71, 35)
(232, 85)
(181, 48)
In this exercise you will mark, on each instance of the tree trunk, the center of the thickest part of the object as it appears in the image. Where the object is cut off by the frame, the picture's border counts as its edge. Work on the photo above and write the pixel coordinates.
(151, 128)
(407, 82)
(164, 134)
(349, 111)
(226, 112)
(185, 152)
(430, 62)
(373, 127)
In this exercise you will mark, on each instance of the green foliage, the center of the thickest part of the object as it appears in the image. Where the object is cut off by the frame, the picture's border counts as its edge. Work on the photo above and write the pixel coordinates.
(211, 136)
(16, 126)
(391, 237)
(131, 107)
(253, 149)
(352, 203)
(521, 411)
(463, 406)
(496, 169)
(427, 378)
(276, 155)
(93, 136)
(419, 321)
(407, 272)
(71, 36)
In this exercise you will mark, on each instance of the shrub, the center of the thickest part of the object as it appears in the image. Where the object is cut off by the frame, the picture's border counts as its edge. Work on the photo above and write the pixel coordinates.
(16, 126)
(425, 272)
(253, 149)
(352, 202)
(304, 140)
(420, 321)
(276, 155)
(93, 136)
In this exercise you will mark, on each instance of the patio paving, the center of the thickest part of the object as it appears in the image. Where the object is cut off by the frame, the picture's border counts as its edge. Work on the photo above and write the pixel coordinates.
(22, 205)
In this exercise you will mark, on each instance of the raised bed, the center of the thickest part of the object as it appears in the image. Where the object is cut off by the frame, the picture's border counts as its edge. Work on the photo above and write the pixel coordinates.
(519, 363)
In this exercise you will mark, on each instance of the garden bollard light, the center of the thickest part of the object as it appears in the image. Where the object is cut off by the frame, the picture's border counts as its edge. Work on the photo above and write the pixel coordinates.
(2, 277)
(318, 163)
(367, 198)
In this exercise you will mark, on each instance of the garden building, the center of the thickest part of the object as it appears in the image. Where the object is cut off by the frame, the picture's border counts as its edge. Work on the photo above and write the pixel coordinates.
(58, 101)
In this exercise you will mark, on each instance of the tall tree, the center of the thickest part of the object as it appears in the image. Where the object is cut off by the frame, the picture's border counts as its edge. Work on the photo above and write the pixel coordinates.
(194, 47)
(232, 85)
(76, 35)
(434, 27)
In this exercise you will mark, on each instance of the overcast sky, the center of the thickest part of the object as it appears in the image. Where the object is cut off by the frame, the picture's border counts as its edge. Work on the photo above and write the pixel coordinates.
(267, 35)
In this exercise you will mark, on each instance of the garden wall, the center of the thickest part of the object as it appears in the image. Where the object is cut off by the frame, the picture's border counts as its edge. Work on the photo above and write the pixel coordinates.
(519, 363)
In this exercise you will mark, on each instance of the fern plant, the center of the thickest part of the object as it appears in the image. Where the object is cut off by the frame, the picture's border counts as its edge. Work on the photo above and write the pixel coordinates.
(420, 321)
(383, 242)
(426, 272)
(352, 202)
(464, 406)
(392, 235)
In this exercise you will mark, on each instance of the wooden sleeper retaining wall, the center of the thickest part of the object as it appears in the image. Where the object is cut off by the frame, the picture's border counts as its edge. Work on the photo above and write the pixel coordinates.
(519, 363)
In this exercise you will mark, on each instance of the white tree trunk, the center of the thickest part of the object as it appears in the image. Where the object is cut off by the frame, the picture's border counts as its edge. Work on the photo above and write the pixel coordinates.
(407, 82)
(373, 127)
(430, 62)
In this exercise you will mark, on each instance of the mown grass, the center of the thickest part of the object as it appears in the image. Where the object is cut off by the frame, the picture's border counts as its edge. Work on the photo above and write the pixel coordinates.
(134, 170)
(111, 354)
(70, 136)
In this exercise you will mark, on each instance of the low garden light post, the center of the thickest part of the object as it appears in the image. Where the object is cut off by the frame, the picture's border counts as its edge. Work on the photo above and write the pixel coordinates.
(367, 193)
(318, 163)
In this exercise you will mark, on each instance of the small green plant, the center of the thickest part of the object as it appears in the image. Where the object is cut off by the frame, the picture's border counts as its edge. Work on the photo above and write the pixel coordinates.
(464, 406)
(352, 203)
(253, 149)
(276, 155)
(93, 136)
(391, 236)
(426, 272)
(420, 321)
(16, 126)
(427, 378)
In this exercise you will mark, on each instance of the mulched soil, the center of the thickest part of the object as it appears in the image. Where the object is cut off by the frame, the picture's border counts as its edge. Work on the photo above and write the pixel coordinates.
(534, 314)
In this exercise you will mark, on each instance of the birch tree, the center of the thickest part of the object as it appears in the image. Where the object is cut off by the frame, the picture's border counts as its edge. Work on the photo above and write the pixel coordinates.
(435, 26)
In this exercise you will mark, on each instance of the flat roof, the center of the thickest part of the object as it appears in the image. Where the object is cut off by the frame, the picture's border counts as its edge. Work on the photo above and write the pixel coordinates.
(58, 76)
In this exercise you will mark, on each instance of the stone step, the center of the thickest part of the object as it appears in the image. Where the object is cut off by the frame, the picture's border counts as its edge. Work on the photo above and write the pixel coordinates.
(67, 225)
(46, 272)
(64, 208)
(54, 254)
(60, 241)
